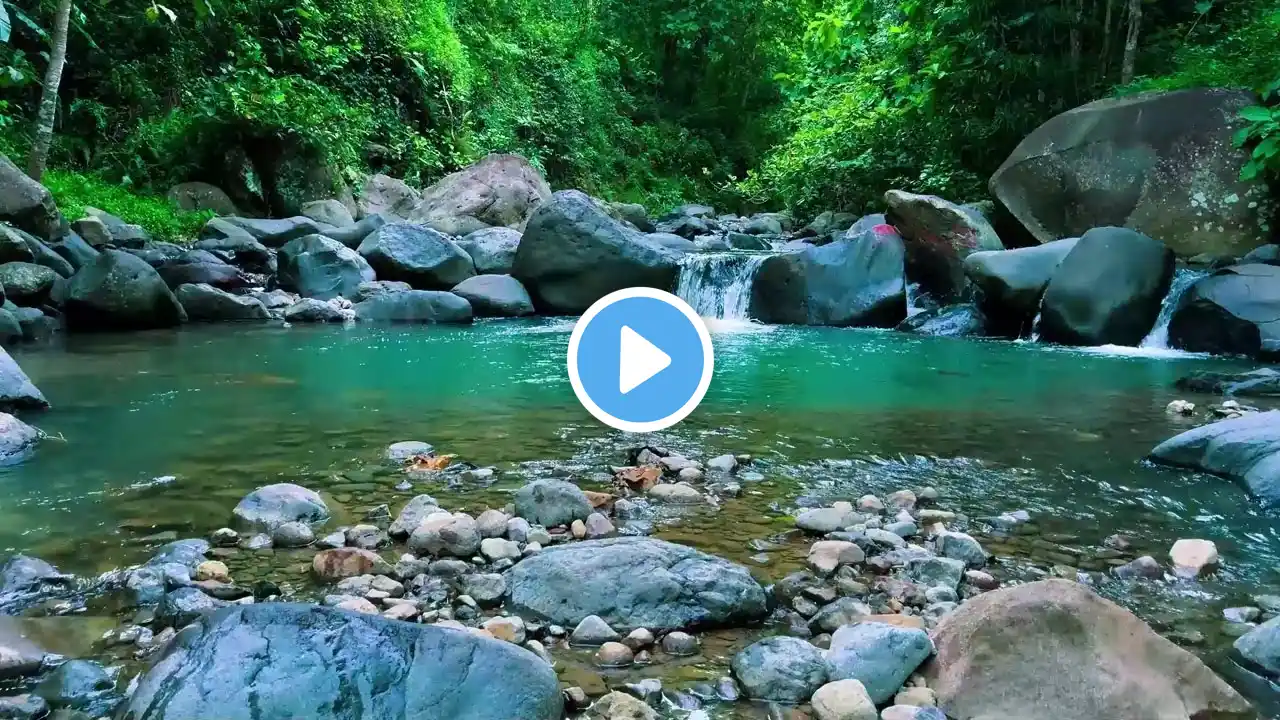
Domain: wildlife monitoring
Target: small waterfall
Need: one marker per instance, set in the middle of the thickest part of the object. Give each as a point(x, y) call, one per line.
point(913, 291)
point(1183, 279)
point(1035, 326)
point(718, 285)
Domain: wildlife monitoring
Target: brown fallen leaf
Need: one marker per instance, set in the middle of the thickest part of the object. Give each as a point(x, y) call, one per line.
point(420, 463)
point(640, 478)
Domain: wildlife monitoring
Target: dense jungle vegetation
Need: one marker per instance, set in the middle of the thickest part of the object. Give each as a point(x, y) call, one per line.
point(807, 104)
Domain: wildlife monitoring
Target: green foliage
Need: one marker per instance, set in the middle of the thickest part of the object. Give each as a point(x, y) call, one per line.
point(1261, 135)
point(75, 191)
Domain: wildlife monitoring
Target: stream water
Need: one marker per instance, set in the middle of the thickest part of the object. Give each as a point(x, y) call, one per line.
point(161, 434)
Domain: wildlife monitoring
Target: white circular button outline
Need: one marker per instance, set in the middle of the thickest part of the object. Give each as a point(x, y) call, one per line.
point(708, 360)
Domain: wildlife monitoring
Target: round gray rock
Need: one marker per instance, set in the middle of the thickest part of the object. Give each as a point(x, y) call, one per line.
point(552, 502)
point(881, 656)
point(783, 669)
point(273, 505)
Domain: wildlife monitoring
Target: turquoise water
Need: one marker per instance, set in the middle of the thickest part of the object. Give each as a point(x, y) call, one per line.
point(158, 435)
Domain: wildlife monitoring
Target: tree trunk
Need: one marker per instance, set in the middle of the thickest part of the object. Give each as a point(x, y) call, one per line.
point(1131, 42)
point(1106, 41)
point(49, 96)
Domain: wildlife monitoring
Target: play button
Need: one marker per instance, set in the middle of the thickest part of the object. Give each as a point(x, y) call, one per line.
point(640, 360)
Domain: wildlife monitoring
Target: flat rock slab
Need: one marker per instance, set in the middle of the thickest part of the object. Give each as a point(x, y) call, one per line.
point(282, 660)
point(1246, 449)
point(1263, 382)
point(634, 582)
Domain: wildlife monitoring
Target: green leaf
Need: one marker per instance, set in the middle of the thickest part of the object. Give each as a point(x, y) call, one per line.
point(1256, 113)
point(1204, 6)
point(1268, 148)
point(1250, 170)
point(5, 25)
point(1241, 136)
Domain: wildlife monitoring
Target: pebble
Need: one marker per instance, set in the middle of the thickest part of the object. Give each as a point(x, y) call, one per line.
point(649, 690)
point(1242, 614)
point(750, 476)
point(723, 463)
point(401, 611)
point(614, 654)
point(1143, 567)
point(1180, 407)
point(593, 631)
point(224, 537)
point(679, 493)
point(538, 534)
point(598, 526)
point(578, 529)
point(540, 650)
point(870, 502)
point(510, 629)
point(368, 537)
point(518, 529)
point(843, 700)
point(680, 644)
point(575, 698)
point(292, 535)
point(496, 549)
point(1191, 557)
point(358, 604)
point(827, 555)
point(917, 696)
point(493, 524)
point(690, 474)
point(639, 639)
point(213, 570)
point(334, 539)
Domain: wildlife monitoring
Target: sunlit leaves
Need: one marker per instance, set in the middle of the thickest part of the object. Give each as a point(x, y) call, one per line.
point(5, 25)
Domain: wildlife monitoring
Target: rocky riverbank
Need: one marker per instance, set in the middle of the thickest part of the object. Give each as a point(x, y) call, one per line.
point(563, 599)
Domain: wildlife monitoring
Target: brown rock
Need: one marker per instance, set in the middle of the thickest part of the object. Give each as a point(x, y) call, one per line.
point(347, 562)
point(640, 479)
point(599, 500)
point(902, 621)
point(1014, 652)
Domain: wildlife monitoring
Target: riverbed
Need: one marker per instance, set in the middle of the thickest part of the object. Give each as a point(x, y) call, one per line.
point(156, 436)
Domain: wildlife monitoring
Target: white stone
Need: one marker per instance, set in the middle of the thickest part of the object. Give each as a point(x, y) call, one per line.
point(1191, 557)
point(676, 493)
point(497, 548)
point(843, 700)
point(510, 629)
point(827, 555)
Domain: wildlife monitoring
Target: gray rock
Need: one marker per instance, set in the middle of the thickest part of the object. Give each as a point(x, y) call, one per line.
point(962, 547)
point(81, 685)
point(1143, 567)
point(16, 390)
point(572, 254)
point(822, 520)
point(551, 502)
point(368, 537)
point(782, 669)
point(352, 235)
point(415, 306)
point(495, 296)
point(592, 631)
point(842, 611)
point(492, 524)
point(935, 571)
point(273, 505)
point(1235, 311)
point(443, 534)
point(236, 246)
point(276, 299)
point(26, 204)
point(418, 255)
point(316, 266)
point(671, 241)
point(635, 582)
point(23, 707)
point(858, 281)
point(320, 663)
point(74, 250)
point(311, 310)
point(1261, 647)
point(487, 589)
point(497, 190)
point(277, 233)
point(1245, 449)
point(200, 266)
point(185, 605)
point(329, 212)
point(385, 195)
point(292, 535)
point(878, 655)
point(401, 452)
point(938, 235)
point(679, 644)
point(493, 250)
point(1107, 290)
point(18, 440)
point(205, 303)
point(1011, 282)
point(416, 510)
point(118, 291)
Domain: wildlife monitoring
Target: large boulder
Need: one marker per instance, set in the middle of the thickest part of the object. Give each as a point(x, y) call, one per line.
point(572, 254)
point(120, 292)
point(16, 389)
point(26, 284)
point(418, 255)
point(552, 503)
point(197, 196)
point(17, 440)
point(271, 506)
point(1161, 163)
point(1013, 652)
point(1010, 283)
point(938, 236)
point(415, 306)
point(493, 250)
point(1245, 449)
point(201, 266)
point(857, 281)
point(24, 579)
point(879, 655)
point(283, 660)
point(1235, 311)
point(316, 266)
point(1262, 382)
point(157, 253)
point(1107, 290)
point(633, 582)
point(26, 204)
point(499, 190)
point(276, 233)
point(353, 235)
point(495, 295)
point(205, 303)
point(329, 212)
point(1260, 648)
point(74, 250)
point(633, 213)
point(14, 246)
point(385, 195)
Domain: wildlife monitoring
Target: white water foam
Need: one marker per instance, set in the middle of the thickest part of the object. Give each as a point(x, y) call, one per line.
point(1183, 279)
point(718, 285)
